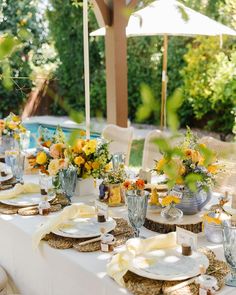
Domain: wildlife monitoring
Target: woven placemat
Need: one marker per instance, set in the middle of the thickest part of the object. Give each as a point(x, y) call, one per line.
point(122, 233)
point(56, 205)
point(142, 286)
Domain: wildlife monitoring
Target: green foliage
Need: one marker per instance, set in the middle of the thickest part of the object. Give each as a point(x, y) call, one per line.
point(17, 18)
point(209, 83)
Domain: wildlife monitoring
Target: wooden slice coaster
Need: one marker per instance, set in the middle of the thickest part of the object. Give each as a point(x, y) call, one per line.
point(60, 199)
point(155, 222)
point(28, 211)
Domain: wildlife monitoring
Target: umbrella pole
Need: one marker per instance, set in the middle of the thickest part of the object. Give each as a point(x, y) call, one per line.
point(86, 67)
point(164, 84)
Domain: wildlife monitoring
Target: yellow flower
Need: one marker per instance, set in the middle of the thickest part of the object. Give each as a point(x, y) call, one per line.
point(90, 147)
point(108, 167)
point(79, 161)
point(54, 167)
point(88, 166)
point(212, 169)
point(82, 133)
point(41, 158)
point(210, 219)
point(179, 180)
point(2, 124)
point(170, 199)
point(78, 146)
point(16, 118)
point(95, 165)
point(160, 164)
point(12, 125)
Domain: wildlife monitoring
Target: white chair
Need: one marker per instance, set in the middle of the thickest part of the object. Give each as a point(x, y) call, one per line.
point(151, 152)
point(121, 139)
point(226, 155)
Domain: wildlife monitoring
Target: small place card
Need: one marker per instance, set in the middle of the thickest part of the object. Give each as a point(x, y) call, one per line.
point(101, 208)
point(145, 175)
point(184, 236)
point(177, 194)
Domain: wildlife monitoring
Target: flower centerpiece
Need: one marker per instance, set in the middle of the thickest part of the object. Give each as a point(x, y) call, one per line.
point(111, 190)
point(190, 170)
point(10, 129)
point(137, 185)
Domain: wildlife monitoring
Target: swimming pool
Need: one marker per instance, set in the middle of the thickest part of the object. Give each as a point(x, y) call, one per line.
point(34, 131)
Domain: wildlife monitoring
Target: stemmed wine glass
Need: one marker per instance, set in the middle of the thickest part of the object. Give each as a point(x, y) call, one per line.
point(137, 202)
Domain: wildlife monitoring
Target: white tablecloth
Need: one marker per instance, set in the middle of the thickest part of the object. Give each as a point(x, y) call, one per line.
point(47, 271)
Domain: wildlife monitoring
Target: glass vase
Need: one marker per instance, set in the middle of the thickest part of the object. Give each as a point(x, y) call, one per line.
point(171, 213)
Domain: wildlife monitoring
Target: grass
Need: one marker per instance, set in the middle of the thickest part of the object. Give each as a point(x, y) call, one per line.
point(136, 154)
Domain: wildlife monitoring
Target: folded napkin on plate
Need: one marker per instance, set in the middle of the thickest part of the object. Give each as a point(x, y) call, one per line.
point(69, 213)
point(120, 262)
point(19, 189)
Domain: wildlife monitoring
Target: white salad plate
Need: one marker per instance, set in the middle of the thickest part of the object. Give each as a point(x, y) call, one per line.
point(24, 200)
point(168, 264)
point(85, 228)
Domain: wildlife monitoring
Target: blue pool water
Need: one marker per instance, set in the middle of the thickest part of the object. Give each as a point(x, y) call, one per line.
point(34, 131)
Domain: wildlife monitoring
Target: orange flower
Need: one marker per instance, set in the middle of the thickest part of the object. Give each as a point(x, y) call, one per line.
point(95, 165)
point(82, 133)
point(140, 183)
point(47, 143)
point(2, 124)
point(127, 184)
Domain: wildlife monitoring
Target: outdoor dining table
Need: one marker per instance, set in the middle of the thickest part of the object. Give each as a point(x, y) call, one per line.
point(49, 271)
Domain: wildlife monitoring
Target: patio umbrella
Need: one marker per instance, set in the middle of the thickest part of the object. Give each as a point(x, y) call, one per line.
point(169, 17)
point(86, 68)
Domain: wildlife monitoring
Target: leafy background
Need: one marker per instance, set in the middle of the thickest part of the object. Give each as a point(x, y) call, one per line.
point(202, 72)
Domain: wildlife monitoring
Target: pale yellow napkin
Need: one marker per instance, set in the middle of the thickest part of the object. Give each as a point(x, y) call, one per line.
point(120, 262)
point(19, 189)
point(69, 213)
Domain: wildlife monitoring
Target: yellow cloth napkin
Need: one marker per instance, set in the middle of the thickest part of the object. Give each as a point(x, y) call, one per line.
point(19, 189)
point(120, 262)
point(69, 213)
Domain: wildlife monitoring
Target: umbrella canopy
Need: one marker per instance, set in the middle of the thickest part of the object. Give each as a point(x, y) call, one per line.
point(170, 17)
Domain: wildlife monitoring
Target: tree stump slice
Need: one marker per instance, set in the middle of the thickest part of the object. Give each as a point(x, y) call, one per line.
point(155, 222)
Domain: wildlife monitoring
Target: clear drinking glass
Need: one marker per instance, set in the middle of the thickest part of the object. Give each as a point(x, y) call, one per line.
point(67, 178)
point(118, 160)
point(229, 243)
point(16, 161)
point(25, 140)
point(137, 202)
point(46, 184)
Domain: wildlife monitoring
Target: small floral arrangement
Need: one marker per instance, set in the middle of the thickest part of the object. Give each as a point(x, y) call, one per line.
point(47, 139)
point(114, 176)
point(191, 164)
point(12, 126)
point(91, 157)
point(138, 184)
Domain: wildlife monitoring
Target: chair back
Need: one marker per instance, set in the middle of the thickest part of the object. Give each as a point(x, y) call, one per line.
point(121, 140)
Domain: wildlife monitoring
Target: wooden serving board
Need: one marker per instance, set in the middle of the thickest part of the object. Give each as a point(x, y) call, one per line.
point(155, 222)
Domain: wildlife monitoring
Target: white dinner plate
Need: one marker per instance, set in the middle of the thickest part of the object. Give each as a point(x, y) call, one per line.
point(24, 200)
point(168, 264)
point(85, 228)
